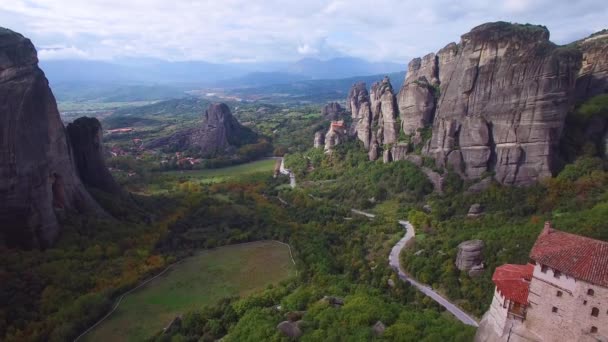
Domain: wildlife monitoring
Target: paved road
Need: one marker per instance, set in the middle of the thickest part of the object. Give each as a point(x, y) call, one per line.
point(395, 263)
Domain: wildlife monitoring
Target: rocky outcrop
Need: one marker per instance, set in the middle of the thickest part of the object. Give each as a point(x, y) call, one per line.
point(384, 112)
point(505, 91)
point(358, 102)
point(475, 210)
point(378, 328)
point(496, 102)
point(470, 254)
point(290, 329)
point(416, 99)
point(219, 133)
point(592, 77)
point(332, 111)
point(335, 136)
point(85, 136)
point(374, 118)
point(319, 139)
point(38, 178)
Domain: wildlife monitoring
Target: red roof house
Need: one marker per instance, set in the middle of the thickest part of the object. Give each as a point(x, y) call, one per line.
point(573, 255)
point(513, 281)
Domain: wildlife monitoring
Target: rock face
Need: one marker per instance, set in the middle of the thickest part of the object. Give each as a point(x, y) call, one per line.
point(416, 98)
point(475, 210)
point(319, 140)
point(218, 133)
point(332, 111)
point(38, 178)
point(85, 136)
point(592, 77)
point(470, 254)
point(384, 112)
point(505, 91)
point(335, 135)
point(496, 102)
point(290, 329)
point(358, 103)
point(374, 118)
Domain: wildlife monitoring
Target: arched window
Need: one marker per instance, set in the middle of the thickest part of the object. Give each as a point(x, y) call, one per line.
point(593, 330)
point(590, 292)
point(595, 312)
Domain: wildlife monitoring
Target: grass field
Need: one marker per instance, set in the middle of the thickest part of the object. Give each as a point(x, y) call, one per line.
point(197, 281)
point(227, 173)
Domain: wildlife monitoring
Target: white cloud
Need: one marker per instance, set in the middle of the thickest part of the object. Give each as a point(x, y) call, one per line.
point(267, 30)
point(70, 52)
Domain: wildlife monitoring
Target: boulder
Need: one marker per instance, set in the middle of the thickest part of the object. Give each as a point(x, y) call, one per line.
point(333, 301)
point(475, 210)
point(38, 177)
point(289, 329)
point(85, 136)
point(378, 328)
point(470, 254)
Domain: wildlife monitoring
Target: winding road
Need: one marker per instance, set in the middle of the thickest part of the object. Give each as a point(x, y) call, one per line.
point(395, 263)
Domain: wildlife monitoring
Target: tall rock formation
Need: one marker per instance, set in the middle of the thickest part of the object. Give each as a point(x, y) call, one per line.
point(38, 177)
point(593, 76)
point(358, 102)
point(85, 137)
point(375, 117)
point(218, 133)
point(416, 98)
point(332, 111)
point(384, 112)
point(505, 91)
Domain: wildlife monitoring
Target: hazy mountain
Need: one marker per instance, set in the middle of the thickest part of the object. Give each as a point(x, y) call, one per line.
point(153, 71)
point(342, 67)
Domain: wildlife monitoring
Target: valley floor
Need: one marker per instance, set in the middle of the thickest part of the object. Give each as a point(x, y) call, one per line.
point(196, 281)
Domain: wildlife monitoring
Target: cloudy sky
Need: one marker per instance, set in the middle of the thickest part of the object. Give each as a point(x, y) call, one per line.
point(278, 30)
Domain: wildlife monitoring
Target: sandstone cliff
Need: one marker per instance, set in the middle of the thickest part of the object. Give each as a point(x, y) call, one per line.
point(38, 177)
point(374, 118)
point(496, 102)
point(218, 133)
point(332, 111)
point(505, 92)
point(85, 137)
point(593, 76)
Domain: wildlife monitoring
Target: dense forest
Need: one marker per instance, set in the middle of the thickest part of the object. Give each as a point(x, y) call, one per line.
point(55, 294)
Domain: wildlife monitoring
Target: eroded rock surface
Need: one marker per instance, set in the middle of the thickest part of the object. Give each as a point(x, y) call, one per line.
point(38, 178)
point(218, 133)
point(85, 136)
point(470, 254)
point(332, 111)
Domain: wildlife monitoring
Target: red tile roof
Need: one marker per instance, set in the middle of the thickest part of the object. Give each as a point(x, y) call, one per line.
point(513, 281)
point(574, 255)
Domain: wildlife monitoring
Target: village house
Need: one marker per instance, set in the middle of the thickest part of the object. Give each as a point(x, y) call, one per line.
point(560, 295)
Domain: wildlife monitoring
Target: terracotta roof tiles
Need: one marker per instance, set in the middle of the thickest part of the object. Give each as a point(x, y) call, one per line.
point(574, 255)
point(513, 281)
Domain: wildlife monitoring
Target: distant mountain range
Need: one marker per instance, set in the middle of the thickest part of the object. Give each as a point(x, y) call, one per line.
point(199, 73)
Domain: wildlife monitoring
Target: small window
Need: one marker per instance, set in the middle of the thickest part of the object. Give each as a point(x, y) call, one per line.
point(554, 309)
point(543, 268)
point(595, 312)
point(593, 330)
point(584, 302)
point(559, 293)
point(590, 292)
point(557, 274)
